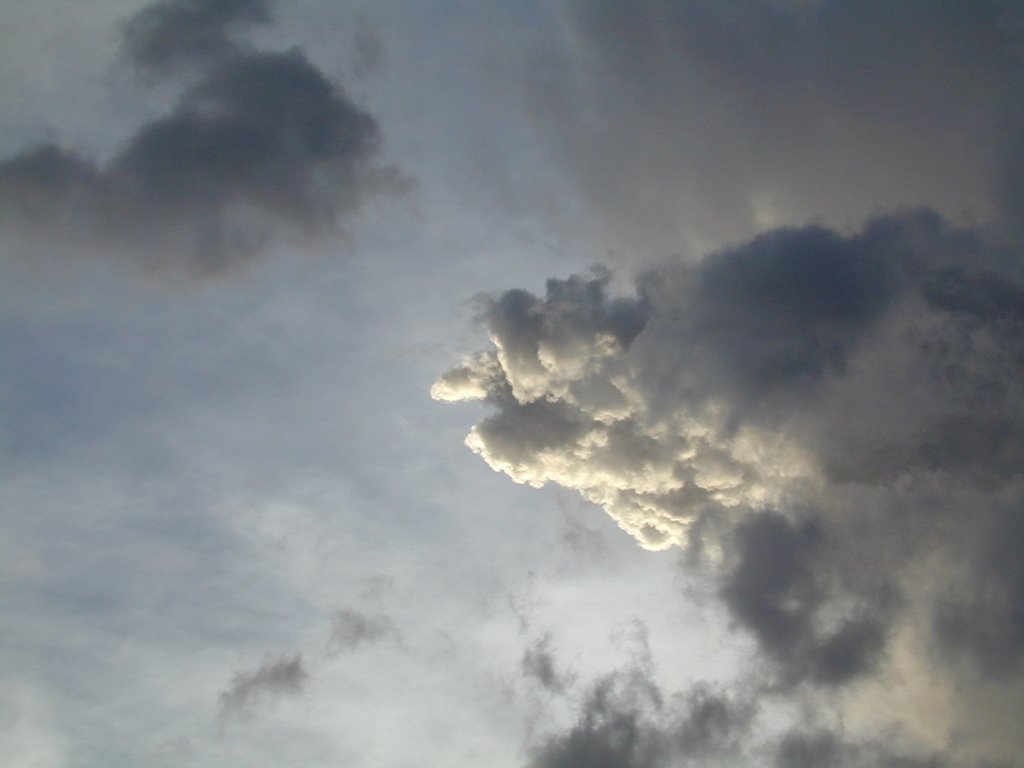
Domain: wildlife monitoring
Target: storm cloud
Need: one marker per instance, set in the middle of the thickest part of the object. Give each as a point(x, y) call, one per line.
point(260, 147)
point(825, 423)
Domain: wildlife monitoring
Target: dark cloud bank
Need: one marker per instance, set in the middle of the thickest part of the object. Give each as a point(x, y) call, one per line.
point(260, 146)
point(826, 420)
point(829, 426)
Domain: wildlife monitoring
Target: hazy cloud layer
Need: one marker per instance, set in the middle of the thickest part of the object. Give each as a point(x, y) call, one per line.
point(261, 146)
point(827, 424)
point(275, 679)
point(695, 123)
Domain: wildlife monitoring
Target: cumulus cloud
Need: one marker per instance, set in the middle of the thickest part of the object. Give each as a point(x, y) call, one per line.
point(624, 721)
point(800, 357)
point(819, 402)
point(261, 146)
point(827, 424)
point(277, 678)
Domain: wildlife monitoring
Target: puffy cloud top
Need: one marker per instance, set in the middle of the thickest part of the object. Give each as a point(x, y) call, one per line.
point(829, 425)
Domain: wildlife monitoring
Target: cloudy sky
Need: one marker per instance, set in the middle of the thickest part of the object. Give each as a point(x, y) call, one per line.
point(560, 384)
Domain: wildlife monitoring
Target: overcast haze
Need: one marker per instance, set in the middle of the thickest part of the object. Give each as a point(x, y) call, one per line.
point(545, 385)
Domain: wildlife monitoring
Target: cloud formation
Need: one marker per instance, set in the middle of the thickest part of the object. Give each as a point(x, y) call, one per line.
point(277, 678)
point(828, 425)
point(728, 383)
point(625, 721)
point(261, 146)
point(351, 629)
point(692, 124)
point(538, 664)
point(173, 33)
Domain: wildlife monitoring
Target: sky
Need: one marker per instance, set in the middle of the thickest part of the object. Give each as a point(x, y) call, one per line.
point(553, 384)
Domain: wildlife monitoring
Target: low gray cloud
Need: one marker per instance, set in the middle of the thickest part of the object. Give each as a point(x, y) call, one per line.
point(625, 723)
point(826, 423)
point(261, 147)
point(174, 33)
point(826, 749)
point(277, 678)
point(351, 628)
point(777, 590)
point(538, 664)
point(625, 719)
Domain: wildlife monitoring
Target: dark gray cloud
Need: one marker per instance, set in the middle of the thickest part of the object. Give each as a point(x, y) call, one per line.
point(277, 678)
point(172, 33)
point(539, 664)
point(351, 629)
point(624, 723)
point(776, 591)
point(624, 719)
point(651, 406)
point(261, 147)
point(825, 749)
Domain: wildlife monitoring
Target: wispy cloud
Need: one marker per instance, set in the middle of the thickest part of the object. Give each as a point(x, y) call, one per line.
point(277, 678)
point(352, 628)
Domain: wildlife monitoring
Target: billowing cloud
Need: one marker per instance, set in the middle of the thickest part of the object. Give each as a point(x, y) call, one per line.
point(763, 369)
point(827, 424)
point(262, 146)
point(285, 676)
point(777, 590)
